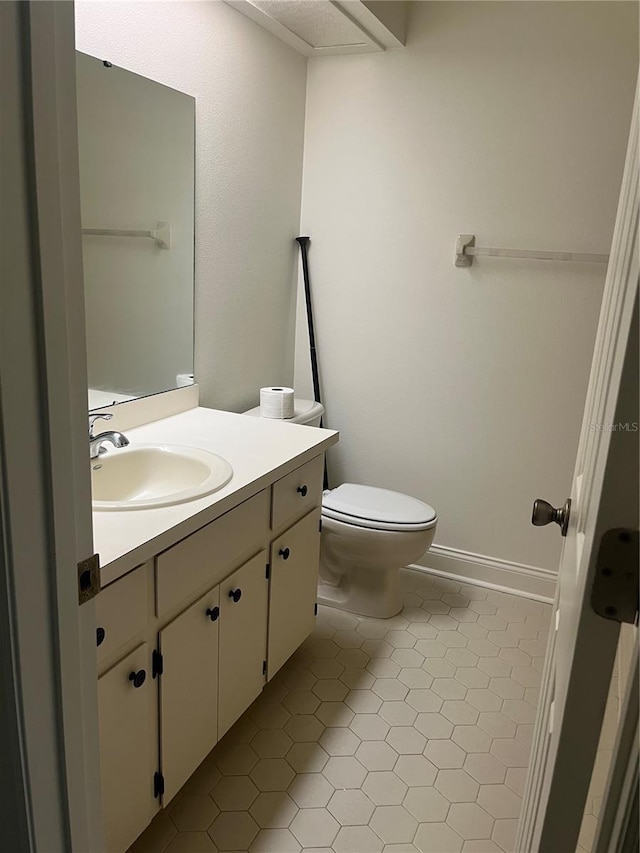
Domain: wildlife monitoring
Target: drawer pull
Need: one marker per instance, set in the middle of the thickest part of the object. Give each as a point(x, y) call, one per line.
point(284, 553)
point(235, 594)
point(138, 677)
point(303, 491)
point(100, 635)
point(213, 613)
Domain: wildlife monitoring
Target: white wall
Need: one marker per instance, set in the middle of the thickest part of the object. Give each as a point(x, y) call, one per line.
point(508, 120)
point(250, 95)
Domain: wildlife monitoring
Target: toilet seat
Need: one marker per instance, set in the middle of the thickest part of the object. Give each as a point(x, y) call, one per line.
point(377, 509)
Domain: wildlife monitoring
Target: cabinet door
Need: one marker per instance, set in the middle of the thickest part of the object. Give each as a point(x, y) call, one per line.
point(188, 691)
point(128, 720)
point(243, 639)
point(293, 588)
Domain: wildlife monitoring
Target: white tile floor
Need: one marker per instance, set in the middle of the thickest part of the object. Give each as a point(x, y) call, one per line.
point(401, 735)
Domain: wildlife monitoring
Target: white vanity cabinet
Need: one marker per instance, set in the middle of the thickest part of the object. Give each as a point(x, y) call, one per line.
point(209, 620)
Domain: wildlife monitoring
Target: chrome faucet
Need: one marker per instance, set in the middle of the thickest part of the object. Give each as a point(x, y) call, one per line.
point(96, 442)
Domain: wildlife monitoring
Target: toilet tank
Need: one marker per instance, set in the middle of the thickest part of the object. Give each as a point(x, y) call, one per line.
point(306, 412)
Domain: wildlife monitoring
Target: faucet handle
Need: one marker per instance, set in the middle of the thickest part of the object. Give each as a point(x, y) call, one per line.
point(104, 416)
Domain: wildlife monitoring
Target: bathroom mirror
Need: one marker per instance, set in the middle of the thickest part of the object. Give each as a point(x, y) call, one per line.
point(136, 142)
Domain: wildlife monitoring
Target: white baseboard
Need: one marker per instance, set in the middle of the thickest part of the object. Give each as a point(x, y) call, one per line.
point(490, 572)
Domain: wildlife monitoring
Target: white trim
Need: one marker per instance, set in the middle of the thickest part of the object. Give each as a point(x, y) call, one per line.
point(44, 477)
point(16, 826)
point(473, 581)
point(543, 728)
point(491, 572)
point(618, 820)
point(45, 487)
point(389, 33)
point(368, 44)
point(63, 376)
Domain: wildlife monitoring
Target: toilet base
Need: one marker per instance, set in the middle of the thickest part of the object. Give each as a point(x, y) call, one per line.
point(360, 566)
point(381, 600)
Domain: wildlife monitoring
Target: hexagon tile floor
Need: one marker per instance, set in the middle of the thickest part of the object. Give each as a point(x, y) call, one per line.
point(401, 735)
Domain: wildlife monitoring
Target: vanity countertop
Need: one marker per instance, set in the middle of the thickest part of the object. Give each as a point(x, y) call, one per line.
point(260, 452)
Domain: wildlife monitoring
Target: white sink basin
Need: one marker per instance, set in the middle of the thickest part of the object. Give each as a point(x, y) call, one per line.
point(152, 475)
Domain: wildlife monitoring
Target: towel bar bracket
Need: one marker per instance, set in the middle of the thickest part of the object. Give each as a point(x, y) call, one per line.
point(463, 242)
point(161, 234)
point(466, 251)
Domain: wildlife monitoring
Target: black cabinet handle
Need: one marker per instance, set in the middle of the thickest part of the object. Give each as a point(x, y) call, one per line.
point(284, 553)
point(213, 613)
point(235, 594)
point(138, 677)
point(100, 635)
point(303, 491)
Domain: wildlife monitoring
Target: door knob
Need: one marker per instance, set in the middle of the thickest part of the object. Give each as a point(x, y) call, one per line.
point(303, 491)
point(543, 513)
point(213, 613)
point(235, 594)
point(284, 553)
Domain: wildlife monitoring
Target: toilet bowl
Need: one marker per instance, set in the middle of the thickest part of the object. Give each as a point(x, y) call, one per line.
point(368, 535)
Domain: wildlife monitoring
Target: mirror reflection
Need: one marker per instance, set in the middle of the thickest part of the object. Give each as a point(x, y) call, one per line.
point(136, 141)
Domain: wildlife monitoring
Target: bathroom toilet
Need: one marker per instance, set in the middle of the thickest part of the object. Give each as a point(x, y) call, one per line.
point(368, 535)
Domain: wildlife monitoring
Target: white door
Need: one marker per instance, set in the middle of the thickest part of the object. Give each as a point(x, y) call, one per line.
point(188, 691)
point(243, 640)
point(128, 700)
point(582, 648)
point(293, 588)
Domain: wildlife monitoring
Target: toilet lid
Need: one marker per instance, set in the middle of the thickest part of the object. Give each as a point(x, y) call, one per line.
point(370, 506)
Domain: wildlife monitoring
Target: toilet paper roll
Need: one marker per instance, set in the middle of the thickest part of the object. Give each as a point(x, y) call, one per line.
point(277, 403)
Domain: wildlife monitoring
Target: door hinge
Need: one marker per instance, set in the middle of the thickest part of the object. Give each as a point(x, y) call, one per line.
point(264, 667)
point(157, 664)
point(158, 784)
point(614, 594)
point(320, 526)
point(88, 578)
point(267, 572)
point(315, 609)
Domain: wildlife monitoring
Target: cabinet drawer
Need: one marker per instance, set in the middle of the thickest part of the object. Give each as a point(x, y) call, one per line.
point(121, 614)
point(202, 559)
point(297, 493)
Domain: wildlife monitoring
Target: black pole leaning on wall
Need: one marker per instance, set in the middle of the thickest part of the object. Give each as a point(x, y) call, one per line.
point(304, 244)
